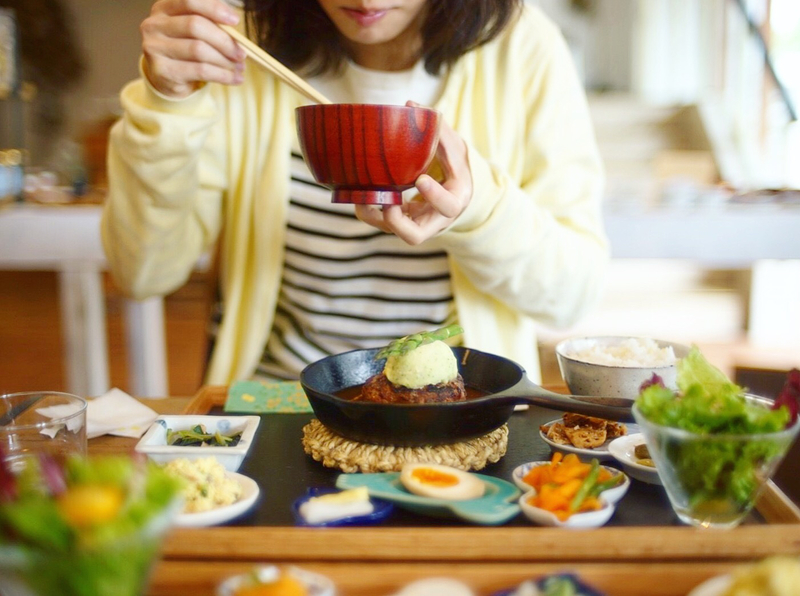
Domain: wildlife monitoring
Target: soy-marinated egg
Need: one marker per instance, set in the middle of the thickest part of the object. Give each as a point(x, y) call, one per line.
point(441, 482)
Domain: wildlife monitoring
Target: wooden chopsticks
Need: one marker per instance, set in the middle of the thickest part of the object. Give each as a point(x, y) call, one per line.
point(263, 59)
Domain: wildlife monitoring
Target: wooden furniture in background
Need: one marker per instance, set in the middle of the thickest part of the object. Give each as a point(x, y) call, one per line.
point(66, 239)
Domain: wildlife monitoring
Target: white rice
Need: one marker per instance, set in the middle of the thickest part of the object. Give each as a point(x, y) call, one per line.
point(631, 352)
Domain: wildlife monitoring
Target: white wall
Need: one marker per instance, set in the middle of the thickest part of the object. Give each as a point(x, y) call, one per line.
point(108, 31)
point(600, 39)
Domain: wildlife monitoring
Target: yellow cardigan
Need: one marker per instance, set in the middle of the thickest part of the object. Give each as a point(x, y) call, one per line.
point(529, 248)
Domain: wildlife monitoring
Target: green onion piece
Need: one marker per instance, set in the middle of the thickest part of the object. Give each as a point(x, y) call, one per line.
point(586, 487)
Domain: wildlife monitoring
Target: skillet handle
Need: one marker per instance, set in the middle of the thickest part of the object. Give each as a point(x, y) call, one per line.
point(528, 392)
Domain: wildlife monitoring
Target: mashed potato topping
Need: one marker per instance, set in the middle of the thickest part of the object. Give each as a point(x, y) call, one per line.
point(429, 364)
point(205, 485)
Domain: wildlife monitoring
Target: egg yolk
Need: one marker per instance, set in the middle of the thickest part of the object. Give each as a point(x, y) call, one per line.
point(434, 477)
point(283, 586)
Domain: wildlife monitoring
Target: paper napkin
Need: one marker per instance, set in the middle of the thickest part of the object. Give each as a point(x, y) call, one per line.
point(113, 413)
point(117, 413)
point(256, 397)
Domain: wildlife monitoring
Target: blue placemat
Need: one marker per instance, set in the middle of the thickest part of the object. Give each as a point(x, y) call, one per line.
point(256, 397)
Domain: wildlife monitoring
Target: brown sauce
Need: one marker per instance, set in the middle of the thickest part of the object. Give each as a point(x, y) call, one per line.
point(354, 393)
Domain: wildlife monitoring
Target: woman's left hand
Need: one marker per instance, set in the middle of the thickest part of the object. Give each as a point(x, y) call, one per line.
point(419, 220)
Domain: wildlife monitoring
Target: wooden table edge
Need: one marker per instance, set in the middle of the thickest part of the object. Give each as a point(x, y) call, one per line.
point(621, 578)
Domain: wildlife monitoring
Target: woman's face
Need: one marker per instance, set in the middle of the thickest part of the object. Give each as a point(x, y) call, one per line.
point(382, 34)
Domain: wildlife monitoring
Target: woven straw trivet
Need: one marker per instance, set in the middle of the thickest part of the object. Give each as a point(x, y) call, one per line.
point(335, 451)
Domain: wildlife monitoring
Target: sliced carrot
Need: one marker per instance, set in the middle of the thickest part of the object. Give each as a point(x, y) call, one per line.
point(558, 482)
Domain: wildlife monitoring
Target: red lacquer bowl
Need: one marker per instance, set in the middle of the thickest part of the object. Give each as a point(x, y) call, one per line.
point(367, 154)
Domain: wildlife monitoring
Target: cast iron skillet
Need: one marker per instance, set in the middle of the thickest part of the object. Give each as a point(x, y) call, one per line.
point(434, 424)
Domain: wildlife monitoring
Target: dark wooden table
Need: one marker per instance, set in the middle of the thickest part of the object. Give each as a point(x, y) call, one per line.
point(643, 550)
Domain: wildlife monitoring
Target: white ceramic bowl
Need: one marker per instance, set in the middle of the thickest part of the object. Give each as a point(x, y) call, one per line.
point(611, 380)
point(154, 442)
point(622, 449)
point(315, 584)
point(589, 519)
point(612, 495)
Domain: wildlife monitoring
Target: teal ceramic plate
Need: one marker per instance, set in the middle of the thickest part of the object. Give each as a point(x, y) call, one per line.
point(496, 506)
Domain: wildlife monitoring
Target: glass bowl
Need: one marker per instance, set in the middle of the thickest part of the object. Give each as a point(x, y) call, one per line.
point(713, 480)
point(116, 567)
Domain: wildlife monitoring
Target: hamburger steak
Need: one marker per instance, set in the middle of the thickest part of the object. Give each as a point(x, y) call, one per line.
point(379, 389)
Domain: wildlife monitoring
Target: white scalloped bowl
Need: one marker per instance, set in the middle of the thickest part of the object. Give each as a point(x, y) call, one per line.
point(612, 495)
point(589, 519)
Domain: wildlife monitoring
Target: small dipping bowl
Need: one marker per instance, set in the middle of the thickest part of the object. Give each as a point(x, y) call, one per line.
point(367, 154)
point(587, 519)
point(41, 422)
point(314, 584)
point(584, 375)
point(612, 495)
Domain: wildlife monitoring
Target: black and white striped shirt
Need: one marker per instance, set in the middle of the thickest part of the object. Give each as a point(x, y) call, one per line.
point(345, 284)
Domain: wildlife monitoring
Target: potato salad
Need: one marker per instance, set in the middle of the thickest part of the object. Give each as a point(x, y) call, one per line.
point(205, 484)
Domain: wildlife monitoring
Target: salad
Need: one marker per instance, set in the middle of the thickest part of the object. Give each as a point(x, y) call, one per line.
point(89, 526)
point(708, 402)
point(732, 442)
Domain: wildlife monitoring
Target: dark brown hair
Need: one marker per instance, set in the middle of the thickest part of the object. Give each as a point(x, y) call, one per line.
point(301, 36)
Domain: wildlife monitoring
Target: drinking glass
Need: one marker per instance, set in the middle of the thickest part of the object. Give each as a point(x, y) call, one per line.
point(41, 422)
point(713, 480)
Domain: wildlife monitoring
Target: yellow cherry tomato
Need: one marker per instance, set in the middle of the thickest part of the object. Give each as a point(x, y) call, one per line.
point(90, 504)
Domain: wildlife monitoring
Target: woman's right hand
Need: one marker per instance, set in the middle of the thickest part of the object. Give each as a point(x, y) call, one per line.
point(184, 47)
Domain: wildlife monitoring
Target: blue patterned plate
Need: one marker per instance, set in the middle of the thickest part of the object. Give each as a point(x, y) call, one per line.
point(542, 584)
point(496, 506)
point(381, 510)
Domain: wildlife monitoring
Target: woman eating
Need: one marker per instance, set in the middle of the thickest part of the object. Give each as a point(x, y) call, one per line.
point(502, 234)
